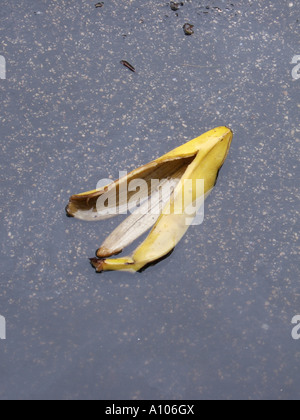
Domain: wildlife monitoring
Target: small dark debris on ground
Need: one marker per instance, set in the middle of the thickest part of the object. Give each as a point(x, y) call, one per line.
point(128, 65)
point(176, 6)
point(188, 29)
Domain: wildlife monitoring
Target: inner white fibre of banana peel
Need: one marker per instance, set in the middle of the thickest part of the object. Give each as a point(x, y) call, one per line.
point(184, 177)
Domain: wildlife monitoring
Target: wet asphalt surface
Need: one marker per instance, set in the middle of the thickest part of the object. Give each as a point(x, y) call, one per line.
point(212, 321)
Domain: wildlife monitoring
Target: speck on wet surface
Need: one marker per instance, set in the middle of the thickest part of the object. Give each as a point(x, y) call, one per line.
point(214, 319)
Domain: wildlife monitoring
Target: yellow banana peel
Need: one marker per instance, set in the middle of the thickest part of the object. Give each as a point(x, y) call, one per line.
point(165, 206)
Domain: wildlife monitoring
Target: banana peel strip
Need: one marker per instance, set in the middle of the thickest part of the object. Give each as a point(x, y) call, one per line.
point(199, 159)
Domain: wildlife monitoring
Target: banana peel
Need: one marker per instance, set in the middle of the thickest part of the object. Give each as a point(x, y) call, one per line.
point(167, 215)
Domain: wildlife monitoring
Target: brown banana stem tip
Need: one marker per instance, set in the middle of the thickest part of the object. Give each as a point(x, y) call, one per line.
point(105, 253)
point(68, 212)
point(97, 264)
